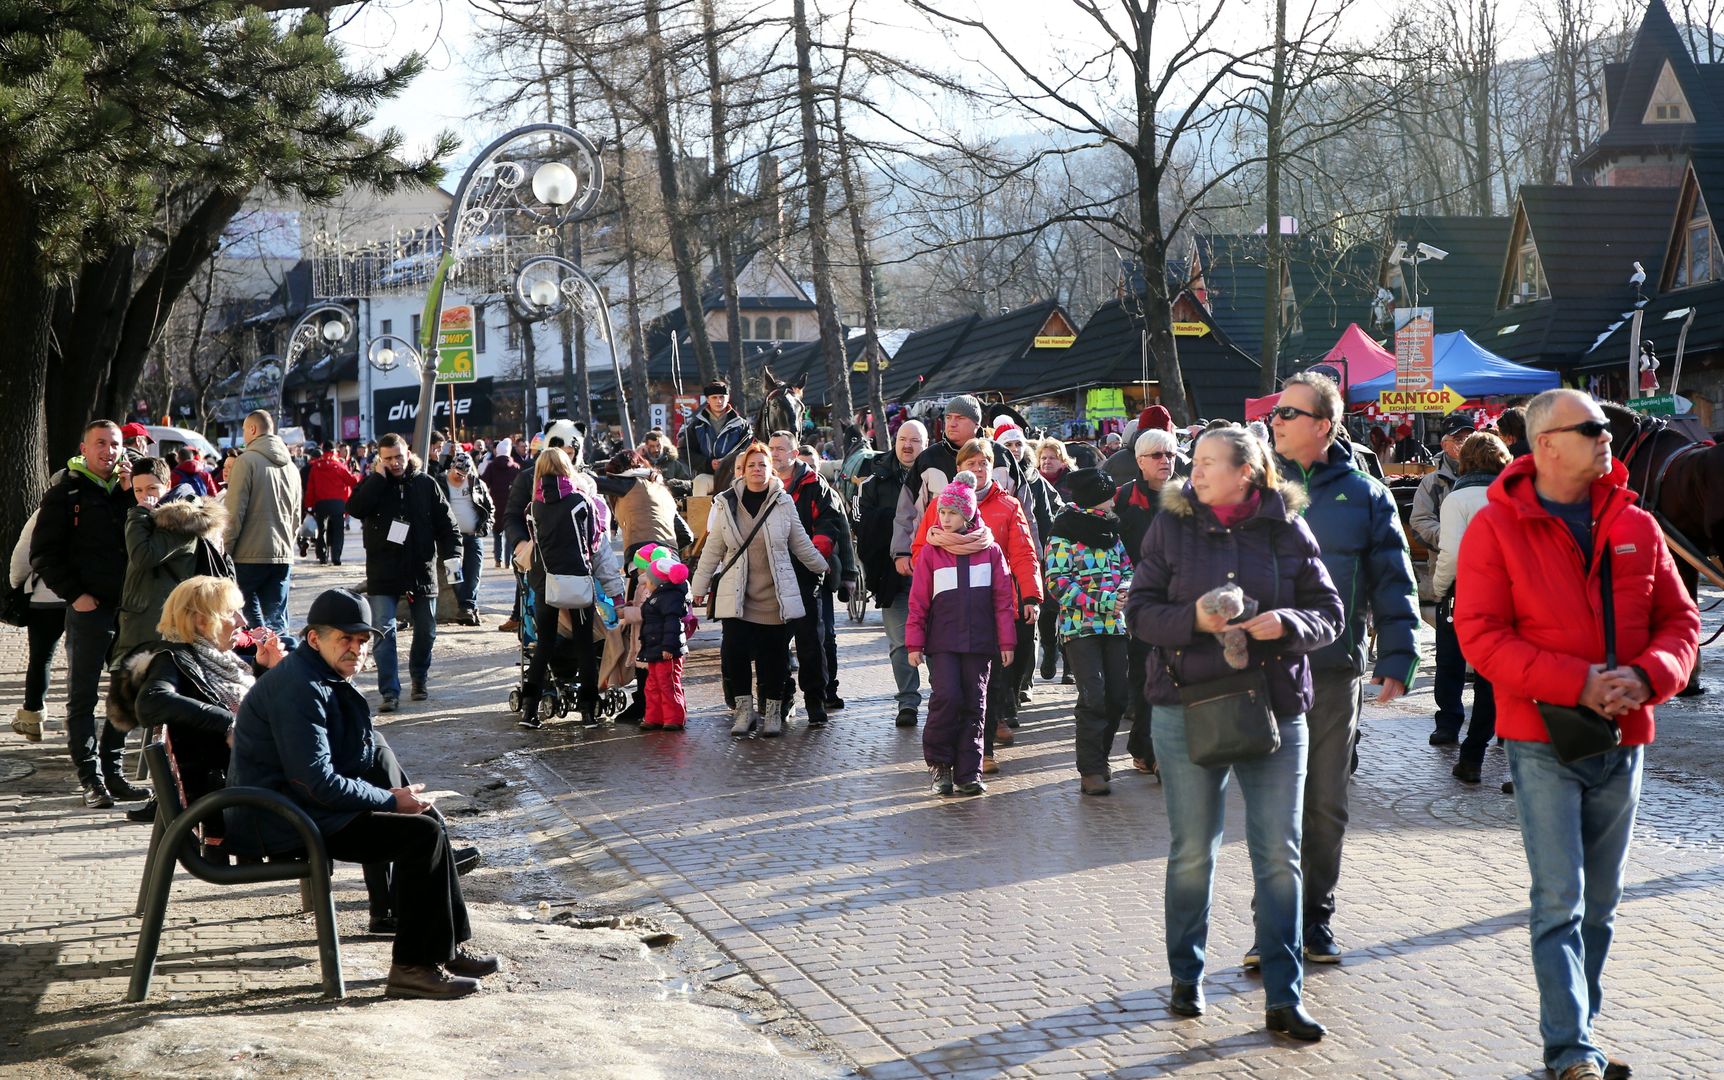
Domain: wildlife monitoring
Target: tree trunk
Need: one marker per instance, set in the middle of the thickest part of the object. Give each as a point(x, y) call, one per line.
point(23, 391)
point(726, 224)
point(632, 305)
point(682, 252)
point(831, 334)
point(865, 272)
point(1272, 247)
point(1151, 241)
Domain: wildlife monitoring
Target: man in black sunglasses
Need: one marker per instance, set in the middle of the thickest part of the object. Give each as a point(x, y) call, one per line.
point(1567, 596)
point(1359, 532)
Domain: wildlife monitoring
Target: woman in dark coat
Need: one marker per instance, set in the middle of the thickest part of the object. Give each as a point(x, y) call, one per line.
point(1233, 524)
point(192, 686)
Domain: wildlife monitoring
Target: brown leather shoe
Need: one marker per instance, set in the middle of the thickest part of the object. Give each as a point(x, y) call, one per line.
point(427, 981)
point(989, 768)
point(470, 964)
point(1004, 736)
point(509, 626)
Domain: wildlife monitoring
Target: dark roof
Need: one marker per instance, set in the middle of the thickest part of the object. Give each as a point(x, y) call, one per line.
point(661, 368)
point(924, 353)
point(998, 353)
point(1662, 323)
point(1463, 285)
point(1630, 87)
point(1109, 350)
point(1589, 238)
point(1333, 285)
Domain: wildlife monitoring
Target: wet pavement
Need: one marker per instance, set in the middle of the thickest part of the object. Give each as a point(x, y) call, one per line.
point(1019, 934)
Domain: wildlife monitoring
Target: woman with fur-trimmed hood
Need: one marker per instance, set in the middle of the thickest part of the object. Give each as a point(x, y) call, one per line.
point(165, 545)
point(1233, 524)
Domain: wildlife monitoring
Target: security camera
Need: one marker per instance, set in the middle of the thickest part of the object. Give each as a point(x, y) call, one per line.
point(1400, 252)
point(1431, 252)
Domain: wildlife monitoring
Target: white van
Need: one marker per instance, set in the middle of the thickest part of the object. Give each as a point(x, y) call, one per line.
point(165, 440)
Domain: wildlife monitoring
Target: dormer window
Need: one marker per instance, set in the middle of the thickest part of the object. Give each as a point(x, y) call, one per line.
point(1528, 283)
point(1699, 260)
point(1667, 105)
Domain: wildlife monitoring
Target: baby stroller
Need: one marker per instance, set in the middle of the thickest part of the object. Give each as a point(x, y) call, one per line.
point(563, 667)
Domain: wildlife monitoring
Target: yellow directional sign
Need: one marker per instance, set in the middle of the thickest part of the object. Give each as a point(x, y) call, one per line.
point(1444, 401)
point(1190, 329)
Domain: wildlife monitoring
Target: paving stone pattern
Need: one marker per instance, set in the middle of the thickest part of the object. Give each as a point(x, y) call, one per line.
point(1019, 934)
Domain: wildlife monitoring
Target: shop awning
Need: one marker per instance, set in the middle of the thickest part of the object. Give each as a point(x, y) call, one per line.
point(1468, 368)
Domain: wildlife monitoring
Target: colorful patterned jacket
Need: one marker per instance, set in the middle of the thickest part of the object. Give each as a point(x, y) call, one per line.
point(1088, 573)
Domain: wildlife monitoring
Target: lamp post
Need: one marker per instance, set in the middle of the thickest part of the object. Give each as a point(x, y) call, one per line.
point(326, 327)
point(548, 284)
point(519, 178)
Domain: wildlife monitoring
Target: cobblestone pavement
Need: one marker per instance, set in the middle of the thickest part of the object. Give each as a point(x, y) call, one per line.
point(1019, 934)
point(236, 987)
point(1014, 935)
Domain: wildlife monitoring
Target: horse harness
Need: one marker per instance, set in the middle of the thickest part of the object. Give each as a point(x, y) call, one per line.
point(1648, 432)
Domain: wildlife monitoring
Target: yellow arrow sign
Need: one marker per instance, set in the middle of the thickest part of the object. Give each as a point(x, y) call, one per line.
point(1444, 401)
point(1190, 329)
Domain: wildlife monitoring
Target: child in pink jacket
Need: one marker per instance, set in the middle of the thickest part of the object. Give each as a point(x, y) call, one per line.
point(961, 616)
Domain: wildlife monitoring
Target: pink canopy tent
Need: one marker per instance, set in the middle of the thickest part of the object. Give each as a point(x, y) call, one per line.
point(1355, 358)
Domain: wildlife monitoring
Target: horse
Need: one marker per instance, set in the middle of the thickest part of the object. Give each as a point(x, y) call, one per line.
point(1680, 482)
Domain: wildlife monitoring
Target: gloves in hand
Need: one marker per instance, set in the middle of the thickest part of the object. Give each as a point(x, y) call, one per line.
point(846, 588)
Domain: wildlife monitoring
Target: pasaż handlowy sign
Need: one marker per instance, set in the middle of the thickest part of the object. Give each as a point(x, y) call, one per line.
point(1055, 341)
point(1190, 329)
point(1444, 401)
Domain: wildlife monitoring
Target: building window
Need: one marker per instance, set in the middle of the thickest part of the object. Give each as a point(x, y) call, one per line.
point(512, 333)
point(1699, 261)
point(784, 331)
point(763, 328)
point(388, 326)
point(479, 329)
point(1667, 105)
point(416, 331)
point(1528, 284)
point(747, 328)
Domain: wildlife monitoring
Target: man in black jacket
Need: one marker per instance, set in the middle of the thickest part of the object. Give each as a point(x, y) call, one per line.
point(879, 502)
point(817, 505)
point(79, 550)
point(408, 527)
point(935, 467)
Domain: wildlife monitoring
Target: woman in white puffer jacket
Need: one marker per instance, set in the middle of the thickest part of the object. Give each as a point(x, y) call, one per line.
point(45, 619)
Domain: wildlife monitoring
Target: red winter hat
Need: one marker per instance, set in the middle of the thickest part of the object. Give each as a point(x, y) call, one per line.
point(134, 431)
point(1008, 432)
point(1157, 417)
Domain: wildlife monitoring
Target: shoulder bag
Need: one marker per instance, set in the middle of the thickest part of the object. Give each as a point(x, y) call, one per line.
point(1227, 720)
point(568, 591)
point(742, 549)
point(1577, 732)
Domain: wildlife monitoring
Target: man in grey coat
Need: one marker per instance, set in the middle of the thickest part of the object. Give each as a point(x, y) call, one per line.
point(263, 511)
point(1450, 674)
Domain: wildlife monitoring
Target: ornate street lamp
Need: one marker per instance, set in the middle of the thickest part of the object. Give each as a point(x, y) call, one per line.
point(324, 327)
point(533, 180)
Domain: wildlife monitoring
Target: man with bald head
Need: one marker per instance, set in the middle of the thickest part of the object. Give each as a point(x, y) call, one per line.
point(878, 502)
point(1567, 596)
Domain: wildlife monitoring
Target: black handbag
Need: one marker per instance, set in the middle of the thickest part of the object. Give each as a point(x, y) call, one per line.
point(1577, 732)
point(1228, 720)
point(15, 606)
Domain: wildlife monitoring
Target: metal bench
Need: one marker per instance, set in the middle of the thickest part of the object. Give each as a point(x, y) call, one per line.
point(172, 841)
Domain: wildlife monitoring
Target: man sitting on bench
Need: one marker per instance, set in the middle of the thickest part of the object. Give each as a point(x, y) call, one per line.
point(304, 730)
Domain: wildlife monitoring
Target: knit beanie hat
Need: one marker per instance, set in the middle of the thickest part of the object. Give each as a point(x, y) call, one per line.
point(661, 563)
point(1089, 488)
point(1157, 417)
point(965, 405)
point(960, 495)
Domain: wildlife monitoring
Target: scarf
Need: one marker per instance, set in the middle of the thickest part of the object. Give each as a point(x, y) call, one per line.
point(1232, 515)
point(226, 674)
point(978, 539)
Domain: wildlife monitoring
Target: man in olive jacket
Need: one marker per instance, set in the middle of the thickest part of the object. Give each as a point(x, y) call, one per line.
point(408, 527)
point(263, 515)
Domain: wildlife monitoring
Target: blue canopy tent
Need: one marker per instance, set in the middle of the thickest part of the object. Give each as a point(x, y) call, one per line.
point(1459, 362)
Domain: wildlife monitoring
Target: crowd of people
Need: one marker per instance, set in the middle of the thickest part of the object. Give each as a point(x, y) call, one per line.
point(1227, 596)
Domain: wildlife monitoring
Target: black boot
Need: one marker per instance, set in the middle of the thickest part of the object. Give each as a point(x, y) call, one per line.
point(1294, 1022)
point(1186, 999)
point(530, 711)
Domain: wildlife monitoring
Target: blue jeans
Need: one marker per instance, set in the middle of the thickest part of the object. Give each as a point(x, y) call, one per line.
point(264, 586)
point(472, 559)
point(1274, 790)
point(1575, 822)
point(906, 677)
point(424, 610)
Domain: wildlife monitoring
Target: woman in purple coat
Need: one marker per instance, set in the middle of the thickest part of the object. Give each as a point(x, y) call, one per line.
point(1233, 524)
point(962, 614)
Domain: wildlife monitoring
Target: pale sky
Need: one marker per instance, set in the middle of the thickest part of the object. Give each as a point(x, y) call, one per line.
point(449, 90)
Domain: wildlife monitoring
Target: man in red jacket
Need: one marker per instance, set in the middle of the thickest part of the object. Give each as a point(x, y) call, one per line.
point(1530, 617)
point(328, 484)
